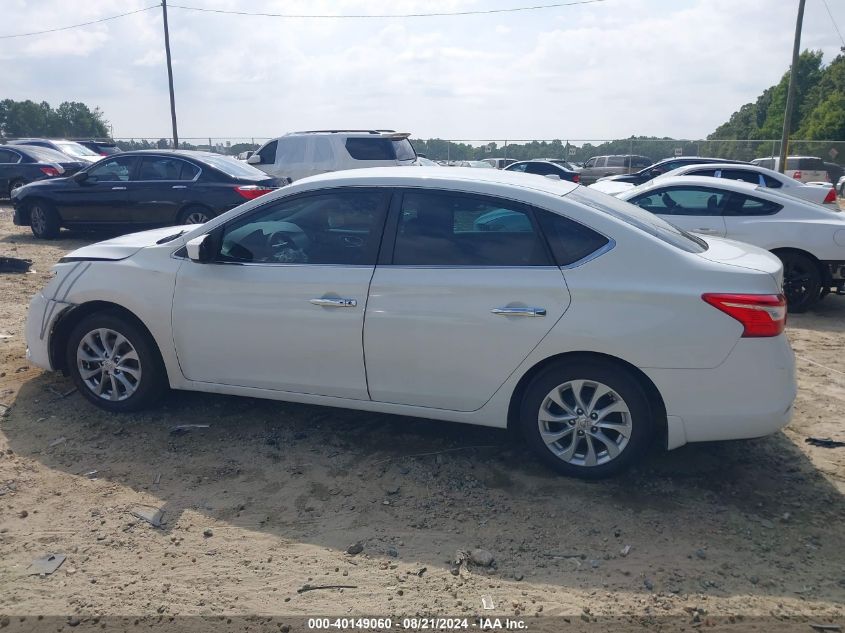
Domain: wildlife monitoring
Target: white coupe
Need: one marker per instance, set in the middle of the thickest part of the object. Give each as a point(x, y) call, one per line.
point(808, 238)
point(475, 296)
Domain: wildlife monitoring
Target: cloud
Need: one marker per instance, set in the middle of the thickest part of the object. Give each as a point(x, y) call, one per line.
point(607, 70)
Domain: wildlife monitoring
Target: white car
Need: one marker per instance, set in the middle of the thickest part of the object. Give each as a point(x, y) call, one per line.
point(301, 154)
point(807, 237)
point(811, 192)
point(475, 296)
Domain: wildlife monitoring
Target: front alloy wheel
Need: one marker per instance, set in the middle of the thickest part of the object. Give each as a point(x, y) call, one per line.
point(108, 364)
point(115, 363)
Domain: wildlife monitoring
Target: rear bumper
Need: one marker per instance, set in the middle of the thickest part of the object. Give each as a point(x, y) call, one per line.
point(749, 395)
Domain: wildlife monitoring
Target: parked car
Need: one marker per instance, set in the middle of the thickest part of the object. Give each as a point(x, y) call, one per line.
point(477, 164)
point(592, 326)
point(544, 168)
point(808, 238)
point(21, 164)
point(103, 147)
point(140, 189)
point(840, 187)
point(245, 155)
point(302, 154)
point(803, 168)
point(563, 163)
point(603, 166)
point(745, 173)
point(664, 166)
point(499, 163)
point(70, 148)
point(834, 172)
point(422, 161)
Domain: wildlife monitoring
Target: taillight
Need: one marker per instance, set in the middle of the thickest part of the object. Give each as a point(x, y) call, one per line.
point(251, 192)
point(760, 315)
point(103, 153)
point(49, 171)
point(576, 178)
point(796, 175)
point(831, 196)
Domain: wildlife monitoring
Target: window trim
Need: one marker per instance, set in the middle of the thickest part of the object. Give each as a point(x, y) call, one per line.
point(218, 231)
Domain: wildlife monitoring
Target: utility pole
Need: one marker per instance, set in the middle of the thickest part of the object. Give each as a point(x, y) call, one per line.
point(170, 75)
point(790, 92)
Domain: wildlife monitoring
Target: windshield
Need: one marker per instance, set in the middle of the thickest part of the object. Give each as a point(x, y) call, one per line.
point(233, 167)
point(74, 149)
point(643, 220)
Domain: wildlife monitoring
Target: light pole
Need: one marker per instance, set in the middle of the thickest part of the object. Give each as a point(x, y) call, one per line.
point(170, 75)
point(790, 91)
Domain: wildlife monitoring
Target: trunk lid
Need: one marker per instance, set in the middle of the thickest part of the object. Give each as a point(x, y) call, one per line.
point(741, 255)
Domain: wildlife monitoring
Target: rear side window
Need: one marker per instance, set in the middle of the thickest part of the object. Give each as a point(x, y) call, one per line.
point(808, 164)
point(771, 183)
point(742, 205)
point(268, 153)
point(371, 148)
point(702, 172)
point(570, 241)
point(615, 161)
point(741, 174)
point(463, 230)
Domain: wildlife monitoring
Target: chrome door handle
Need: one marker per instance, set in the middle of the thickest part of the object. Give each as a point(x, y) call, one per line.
point(179, 187)
point(525, 312)
point(334, 303)
point(118, 188)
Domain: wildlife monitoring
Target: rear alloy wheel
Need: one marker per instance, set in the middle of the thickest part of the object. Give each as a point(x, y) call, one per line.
point(43, 220)
point(591, 420)
point(194, 215)
point(115, 363)
point(802, 281)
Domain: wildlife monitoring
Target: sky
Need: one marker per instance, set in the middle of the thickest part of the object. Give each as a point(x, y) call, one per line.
point(606, 70)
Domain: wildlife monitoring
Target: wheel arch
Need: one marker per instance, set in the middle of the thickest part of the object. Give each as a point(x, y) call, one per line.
point(823, 270)
point(652, 393)
point(72, 316)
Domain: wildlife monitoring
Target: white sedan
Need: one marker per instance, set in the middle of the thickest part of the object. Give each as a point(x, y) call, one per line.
point(822, 193)
point(808, 238)
point(476, 296)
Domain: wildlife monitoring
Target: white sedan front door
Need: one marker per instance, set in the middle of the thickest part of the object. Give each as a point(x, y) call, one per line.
point(282, 305)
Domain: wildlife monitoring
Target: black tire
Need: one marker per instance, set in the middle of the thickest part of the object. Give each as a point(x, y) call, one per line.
point(640, 423)
point(151, 383)
point(14, 185)
point(43, 220)
point(802, 281)
point(188, 215)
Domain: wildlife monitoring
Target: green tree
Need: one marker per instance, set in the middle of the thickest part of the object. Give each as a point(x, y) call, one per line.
point(70, 120)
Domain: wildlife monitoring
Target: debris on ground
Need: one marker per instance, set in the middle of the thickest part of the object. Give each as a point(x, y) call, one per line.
point(824, 442)
point(825, 627)
point(625, 550)
point(481, 557)
point(305, 588)
point(14, 265)
point(355, 548)
point(150, 514)
point(57, 441)
point(46, 565)
point(181, 429)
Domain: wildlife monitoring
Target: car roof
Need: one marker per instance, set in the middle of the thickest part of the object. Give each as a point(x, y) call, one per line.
point(185, 153)
point(702, 181)
point(435, 176)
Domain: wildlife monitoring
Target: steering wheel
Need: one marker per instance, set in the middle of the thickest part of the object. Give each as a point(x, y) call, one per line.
point(282, 248)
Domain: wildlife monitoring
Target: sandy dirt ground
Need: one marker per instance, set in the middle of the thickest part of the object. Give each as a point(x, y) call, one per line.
point(269, 498)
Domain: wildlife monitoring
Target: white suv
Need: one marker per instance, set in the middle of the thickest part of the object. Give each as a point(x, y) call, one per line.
point(803, 168)
point(301, 154)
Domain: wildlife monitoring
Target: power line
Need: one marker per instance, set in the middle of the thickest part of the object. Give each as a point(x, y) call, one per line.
point(835, 26)
point(361, 16)
point(76, 26)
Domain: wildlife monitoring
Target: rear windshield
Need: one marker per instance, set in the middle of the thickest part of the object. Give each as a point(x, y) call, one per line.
point(380, 148)
point(74, 149)
point(234, 167)
point(637, 217)
point(45, 155)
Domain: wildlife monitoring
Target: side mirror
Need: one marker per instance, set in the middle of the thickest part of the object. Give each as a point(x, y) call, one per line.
point(80, 176)
point(200, 249)
point(255, 159)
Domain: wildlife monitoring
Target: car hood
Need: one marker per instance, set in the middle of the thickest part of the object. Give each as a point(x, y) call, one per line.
point(733, 253)
point(123, 246)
